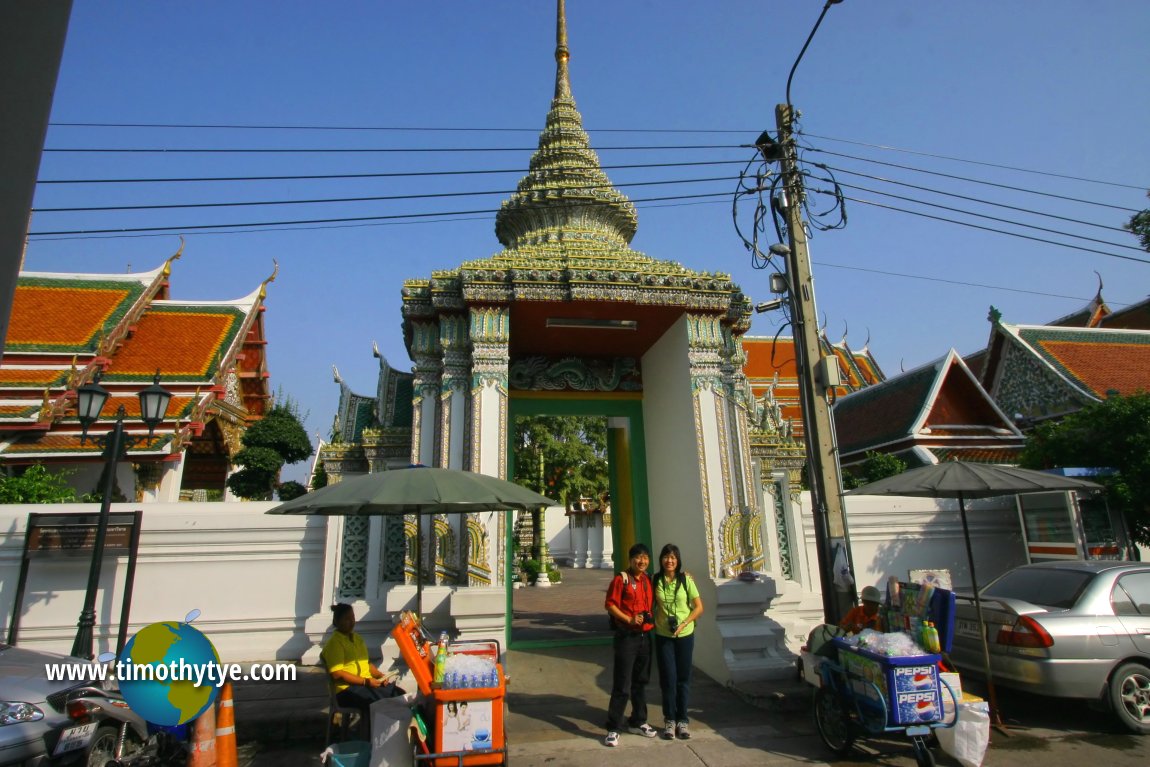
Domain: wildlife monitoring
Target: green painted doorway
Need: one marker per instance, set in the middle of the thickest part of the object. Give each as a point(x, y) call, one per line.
point(630, 510)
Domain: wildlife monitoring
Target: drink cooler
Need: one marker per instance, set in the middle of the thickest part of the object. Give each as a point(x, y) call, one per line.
point(909, 685)
point(416, 654)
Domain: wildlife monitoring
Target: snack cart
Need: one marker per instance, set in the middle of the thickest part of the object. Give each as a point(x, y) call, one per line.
point(464, 713)
point(868, 692)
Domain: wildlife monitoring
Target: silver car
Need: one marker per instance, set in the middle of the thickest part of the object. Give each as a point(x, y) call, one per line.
point(1069, 629)
point(35, 728)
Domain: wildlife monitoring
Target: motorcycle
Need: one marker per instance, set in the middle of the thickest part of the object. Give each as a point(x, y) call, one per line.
point(123, 738)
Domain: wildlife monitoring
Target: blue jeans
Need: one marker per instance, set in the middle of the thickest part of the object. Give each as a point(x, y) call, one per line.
point(674, 658)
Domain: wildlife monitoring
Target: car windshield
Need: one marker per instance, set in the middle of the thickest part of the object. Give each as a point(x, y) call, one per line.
point(1048, 588)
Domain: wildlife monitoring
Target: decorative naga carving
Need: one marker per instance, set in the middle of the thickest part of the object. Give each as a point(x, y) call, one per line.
point(535, 373)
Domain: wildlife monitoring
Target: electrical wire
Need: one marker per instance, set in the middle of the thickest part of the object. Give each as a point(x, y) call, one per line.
point(379, 198)
point(409, 174)
point(975, 180)
point(398, 216)
point(376, 128)
point(430, 220)
point(1015, 168)
point(991, 229)
point(976, 215)
point(361, 150)
point(944, 280)
point(971, 199)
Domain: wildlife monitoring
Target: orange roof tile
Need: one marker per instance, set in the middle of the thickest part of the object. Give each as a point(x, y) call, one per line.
point(49, 444)
point(1103, 367)
point(178, 408)
point(33, 378)
point(78, 311)
point(182, 342)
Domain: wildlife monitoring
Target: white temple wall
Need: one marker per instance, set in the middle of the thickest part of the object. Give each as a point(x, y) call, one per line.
point(675, 482)
point(255, 578)
point(893, 535)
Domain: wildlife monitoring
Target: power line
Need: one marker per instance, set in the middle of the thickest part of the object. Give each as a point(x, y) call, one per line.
point(535, 130)
point(971, 199)
point(377, 198)
point(977, 215)
point(411, 174)
point(986, 228)
point(362, 150)
point(397, 216)
point(978, 162)
point(481, 217)
point(975, 180)
point(380, 128)
point(946, 281)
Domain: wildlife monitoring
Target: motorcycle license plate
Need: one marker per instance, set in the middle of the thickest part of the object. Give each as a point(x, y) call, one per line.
point(75, 738)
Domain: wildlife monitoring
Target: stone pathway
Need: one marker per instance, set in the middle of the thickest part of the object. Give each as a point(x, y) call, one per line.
point(569, 610)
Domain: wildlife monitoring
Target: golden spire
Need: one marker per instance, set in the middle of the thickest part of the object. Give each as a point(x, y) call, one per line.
point(562, 54)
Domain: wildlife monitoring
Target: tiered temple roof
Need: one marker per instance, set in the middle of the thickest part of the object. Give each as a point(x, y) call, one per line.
point(771, 372)
point(566, 232)
point(926, 415)
point(67, 329)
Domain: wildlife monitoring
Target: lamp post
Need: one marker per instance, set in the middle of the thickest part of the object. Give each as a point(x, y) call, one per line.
point(90, 400)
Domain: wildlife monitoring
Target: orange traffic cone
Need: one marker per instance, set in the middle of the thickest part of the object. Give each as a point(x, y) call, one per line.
point(203, 746)
point(226, 755)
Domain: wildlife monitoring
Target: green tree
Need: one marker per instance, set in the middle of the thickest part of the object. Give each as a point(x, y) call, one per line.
point(876, 466)
point(319, 477)
point(1112, 437)
point(37, 485)
point(562, 457)
point(277, 438)
point(290, 490)
point(1139, 225)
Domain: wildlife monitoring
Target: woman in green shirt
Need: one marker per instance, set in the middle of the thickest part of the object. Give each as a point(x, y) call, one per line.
point(677, 606)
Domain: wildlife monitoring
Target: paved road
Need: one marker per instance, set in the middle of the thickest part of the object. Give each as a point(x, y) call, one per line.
point(557, 698)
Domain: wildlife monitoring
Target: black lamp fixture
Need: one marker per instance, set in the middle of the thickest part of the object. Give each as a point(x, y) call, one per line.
point(90, 401)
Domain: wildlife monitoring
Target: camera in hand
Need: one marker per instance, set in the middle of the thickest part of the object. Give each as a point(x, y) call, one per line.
point(672, 623)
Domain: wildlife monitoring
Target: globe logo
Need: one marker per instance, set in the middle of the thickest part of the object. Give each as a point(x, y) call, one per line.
point(165, 695)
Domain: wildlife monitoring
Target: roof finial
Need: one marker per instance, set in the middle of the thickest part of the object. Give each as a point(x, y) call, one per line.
point(562, 79)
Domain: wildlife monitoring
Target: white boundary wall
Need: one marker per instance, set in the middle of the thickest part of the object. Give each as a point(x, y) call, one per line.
point(263, 583)
point(255, 578)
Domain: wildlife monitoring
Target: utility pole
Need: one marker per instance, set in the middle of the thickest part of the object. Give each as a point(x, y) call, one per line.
point(817, 375)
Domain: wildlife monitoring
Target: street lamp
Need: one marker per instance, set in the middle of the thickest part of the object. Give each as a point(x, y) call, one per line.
point(90, 400)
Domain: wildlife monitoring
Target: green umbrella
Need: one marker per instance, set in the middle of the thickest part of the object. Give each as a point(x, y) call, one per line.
point(961, 480)
point(416, 490)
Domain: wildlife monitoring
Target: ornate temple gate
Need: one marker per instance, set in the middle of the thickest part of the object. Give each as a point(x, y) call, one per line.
point(569, 319)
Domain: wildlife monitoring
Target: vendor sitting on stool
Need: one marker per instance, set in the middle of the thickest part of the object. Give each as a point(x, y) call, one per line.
point(358, 682)
point(866, 615)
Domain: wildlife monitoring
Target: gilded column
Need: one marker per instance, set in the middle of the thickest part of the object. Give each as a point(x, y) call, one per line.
point(454, 345)
point(428, 370)
point(704, 344)
point(489, 335)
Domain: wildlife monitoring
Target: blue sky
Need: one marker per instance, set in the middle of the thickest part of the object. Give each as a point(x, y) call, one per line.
point(1055, 87)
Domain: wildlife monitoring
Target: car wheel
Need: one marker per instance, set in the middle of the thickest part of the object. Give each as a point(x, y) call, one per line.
point(102, 749)
point(1130, 697)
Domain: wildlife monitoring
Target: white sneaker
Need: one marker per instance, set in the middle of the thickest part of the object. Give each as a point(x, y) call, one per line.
point(644, 729)
point(684, 731)
point(612, 739)
point(669, 729)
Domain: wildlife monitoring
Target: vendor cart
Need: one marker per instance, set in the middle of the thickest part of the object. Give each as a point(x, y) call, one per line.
point(865, 691)
point(464, 714)
point(868, 694)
